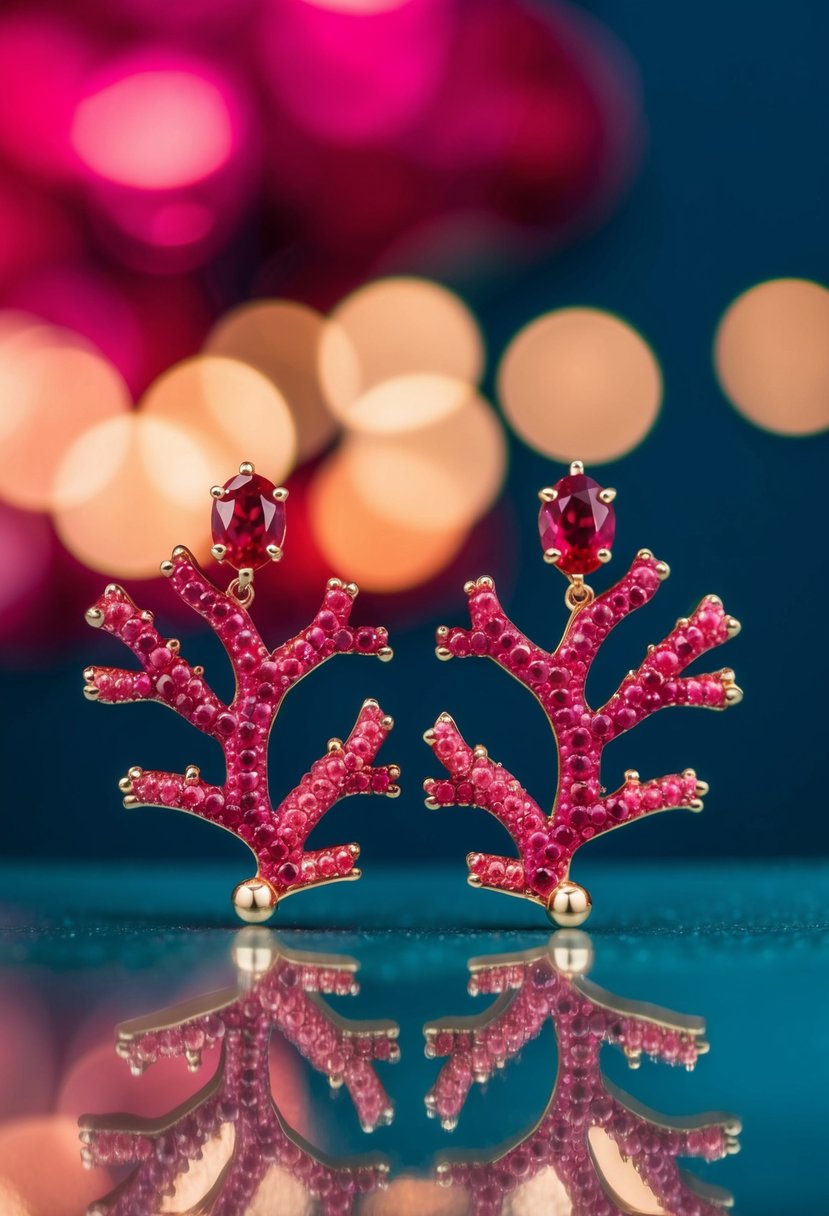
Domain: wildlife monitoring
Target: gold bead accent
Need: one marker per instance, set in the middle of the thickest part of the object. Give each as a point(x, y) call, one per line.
point(254, 900)
point(569, 905)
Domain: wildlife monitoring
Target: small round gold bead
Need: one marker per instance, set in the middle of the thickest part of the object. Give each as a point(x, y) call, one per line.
point(569, 905)
point(254, 900)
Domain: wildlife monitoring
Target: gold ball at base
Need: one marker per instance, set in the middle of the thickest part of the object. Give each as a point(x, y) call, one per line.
point(254, 900)
point(569, 905)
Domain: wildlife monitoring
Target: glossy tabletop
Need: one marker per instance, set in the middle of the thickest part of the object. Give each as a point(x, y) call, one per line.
point(294, 1069)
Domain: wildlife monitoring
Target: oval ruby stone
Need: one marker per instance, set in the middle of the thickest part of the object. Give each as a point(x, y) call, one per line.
point(246, 519)
point(577, 523)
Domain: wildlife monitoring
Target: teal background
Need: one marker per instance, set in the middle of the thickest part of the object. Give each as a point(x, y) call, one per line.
point(732, 191)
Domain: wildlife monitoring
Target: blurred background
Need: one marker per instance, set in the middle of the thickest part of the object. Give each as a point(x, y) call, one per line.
point(412, 257)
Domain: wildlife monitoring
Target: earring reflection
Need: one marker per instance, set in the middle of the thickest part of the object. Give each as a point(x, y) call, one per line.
point(232, 1126)
point(595, 1150)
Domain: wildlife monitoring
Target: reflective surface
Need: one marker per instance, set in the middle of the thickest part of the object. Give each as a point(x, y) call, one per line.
point(209, 1071)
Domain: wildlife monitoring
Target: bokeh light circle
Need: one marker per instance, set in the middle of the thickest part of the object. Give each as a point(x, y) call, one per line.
point(404, 404)
point(156, 128)
point(439, 478)
point(281, 339)
point(363, 544)
point(580, 383)
point(771, 355)
point(396, 327)
point(52, 387)
point(41, 1166)
point(129, 490)
point(232, 410)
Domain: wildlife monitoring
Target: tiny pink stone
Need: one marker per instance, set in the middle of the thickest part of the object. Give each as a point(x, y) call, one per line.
point(246, 519)
point(577, 523)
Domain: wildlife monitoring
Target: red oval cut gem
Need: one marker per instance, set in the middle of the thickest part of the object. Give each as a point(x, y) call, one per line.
point(577, 523)
point(246, 519)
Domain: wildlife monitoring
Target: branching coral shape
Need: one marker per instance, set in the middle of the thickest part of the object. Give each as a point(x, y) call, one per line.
point(279, 991)
point(590, 1130)
point(275, 834)
point(582, 810)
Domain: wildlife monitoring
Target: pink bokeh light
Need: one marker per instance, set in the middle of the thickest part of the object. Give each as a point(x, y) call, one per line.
point(165, 144)
point(356, 74)
point(155, 129)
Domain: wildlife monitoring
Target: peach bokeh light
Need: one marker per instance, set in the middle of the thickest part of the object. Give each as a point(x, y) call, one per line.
point(544, 1193)
point(363, 544)
point(622, 1179)
point(404, 404)
point(53, 386)
point(580, 383)
point(281, 339)
point(442, 477)
point(771, 355)
point(417, 1197)
point(391, 328)
point(129, 490)
point(40, 1165)
point(233, 411)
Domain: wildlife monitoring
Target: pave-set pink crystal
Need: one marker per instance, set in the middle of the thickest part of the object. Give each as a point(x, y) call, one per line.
point(246, 537)
point(577, 525)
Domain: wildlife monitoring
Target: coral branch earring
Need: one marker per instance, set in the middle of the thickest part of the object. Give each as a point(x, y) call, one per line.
point(577, 524)
point(249, 531)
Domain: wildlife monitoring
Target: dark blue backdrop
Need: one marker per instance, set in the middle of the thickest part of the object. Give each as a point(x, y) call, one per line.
point(732, 191)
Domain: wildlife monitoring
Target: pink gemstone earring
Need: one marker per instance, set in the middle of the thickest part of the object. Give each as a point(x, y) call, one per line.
point(249, 531)
point(577, 525)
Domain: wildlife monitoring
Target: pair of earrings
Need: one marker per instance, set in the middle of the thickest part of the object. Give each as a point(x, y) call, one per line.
point(577, 525)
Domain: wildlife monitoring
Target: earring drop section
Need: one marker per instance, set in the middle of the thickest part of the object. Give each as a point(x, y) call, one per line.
point(249, 523)
point(577, 529)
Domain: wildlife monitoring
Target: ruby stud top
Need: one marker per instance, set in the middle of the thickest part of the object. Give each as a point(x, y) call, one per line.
point(248, 520)
point(577, 521)
point(577, 524)
point(276, 833)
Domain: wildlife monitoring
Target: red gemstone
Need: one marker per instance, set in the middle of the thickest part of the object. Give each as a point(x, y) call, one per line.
point(246, 519)
point(577, 523)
